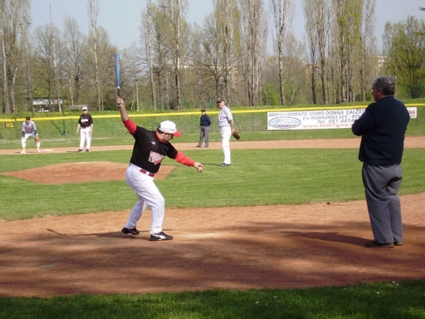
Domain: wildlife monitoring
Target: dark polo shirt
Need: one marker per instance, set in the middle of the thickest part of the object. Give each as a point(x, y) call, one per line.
point(382, 127)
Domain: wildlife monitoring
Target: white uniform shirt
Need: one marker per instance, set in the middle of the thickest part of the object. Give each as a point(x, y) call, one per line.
point(224, 117)
point(29, 128)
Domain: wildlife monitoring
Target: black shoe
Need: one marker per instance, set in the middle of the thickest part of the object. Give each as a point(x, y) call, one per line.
point(87, 150)
point(206, 146)
point(225, 165)
point(398, 243)
point(80, 150)
point(374, 244)
point(160, 236)
point(197, 146)
point(132, 231)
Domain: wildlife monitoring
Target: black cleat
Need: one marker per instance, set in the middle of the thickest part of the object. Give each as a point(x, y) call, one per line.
point(225, 165)
point(132, 231)
point(160, 236)
point(80, 150)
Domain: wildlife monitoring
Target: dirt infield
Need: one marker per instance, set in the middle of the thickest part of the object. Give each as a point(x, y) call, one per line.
point(283, 246)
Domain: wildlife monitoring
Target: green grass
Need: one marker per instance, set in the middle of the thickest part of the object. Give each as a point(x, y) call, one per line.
point(257, 177)
point(389, 300)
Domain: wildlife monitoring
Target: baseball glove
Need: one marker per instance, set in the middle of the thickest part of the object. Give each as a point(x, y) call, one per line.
point(37, 138)
point(236, 135)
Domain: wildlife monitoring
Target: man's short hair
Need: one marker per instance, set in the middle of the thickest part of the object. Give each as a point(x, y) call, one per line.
point(28, 118)
point(386, 84)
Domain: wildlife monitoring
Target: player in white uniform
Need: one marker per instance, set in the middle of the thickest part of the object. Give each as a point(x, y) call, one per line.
point(150, 148)
point(226, 125)
point(29, 129)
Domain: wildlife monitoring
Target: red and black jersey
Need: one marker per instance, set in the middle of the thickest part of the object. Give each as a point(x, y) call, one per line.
point(148, 150)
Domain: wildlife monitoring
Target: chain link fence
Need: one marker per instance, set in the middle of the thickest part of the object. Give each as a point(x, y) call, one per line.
point(107, 126)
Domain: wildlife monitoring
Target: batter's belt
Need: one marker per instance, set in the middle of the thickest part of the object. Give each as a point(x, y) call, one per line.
point(143, 171)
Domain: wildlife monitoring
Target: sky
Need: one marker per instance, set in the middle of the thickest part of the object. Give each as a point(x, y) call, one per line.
point(121, 18)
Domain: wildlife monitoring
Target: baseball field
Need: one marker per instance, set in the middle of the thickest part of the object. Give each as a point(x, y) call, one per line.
point(285, 215)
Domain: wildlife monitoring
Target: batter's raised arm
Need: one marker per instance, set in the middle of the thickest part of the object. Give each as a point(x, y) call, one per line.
point(128, 123)
point(121, 108)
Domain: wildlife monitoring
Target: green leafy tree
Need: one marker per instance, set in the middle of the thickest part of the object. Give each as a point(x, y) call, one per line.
point(404, 44)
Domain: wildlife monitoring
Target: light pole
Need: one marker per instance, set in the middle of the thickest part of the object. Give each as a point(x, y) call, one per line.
point(137, 96)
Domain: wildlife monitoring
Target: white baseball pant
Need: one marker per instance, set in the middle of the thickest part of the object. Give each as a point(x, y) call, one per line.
point(148, 195)
point(226, 133)
point(85, 135)
point(24, 140)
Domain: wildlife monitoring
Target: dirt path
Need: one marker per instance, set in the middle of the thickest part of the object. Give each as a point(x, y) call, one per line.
point(410, 142)
point(283, 246)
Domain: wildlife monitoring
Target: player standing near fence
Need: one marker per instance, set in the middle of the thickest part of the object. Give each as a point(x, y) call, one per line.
point(85, 123)
point(29, 129)
point(150, 148)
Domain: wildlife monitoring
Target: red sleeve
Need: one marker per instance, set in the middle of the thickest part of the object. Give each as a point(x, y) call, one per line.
point(183, 159)
point(130, 125)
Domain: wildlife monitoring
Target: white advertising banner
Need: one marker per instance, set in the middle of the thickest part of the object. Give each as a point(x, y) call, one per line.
point(313, 120)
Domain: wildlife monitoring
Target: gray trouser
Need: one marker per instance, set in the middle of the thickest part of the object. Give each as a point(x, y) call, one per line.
point(204, 133)
point(381, 185)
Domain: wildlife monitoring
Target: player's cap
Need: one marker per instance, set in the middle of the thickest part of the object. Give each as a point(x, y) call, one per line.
point(219, 100)
point(202, 110)
point(169, 127)
point(84, 109)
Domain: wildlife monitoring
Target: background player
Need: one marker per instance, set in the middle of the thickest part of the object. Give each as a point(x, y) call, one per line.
point(150, 148)
point(29, 129)
point(204, 126)
point(85, 122)
point(226, 125)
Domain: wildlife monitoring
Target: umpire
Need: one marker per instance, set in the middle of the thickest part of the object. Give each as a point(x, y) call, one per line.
point(204, 126)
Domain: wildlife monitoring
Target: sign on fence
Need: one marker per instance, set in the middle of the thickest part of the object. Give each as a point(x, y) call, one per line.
point(313, 120)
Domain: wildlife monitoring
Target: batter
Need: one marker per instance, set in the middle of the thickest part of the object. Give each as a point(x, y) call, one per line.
point(150, 148)
point(29, 129)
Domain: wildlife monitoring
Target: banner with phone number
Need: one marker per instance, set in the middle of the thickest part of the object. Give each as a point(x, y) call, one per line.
point(313, 120)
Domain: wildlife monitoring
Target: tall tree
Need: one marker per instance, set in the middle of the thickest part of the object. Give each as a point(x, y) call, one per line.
point(53, 37)
point(75, 42)
point(209, 58)
point(43, 69)
point(227, 20)
point(15, 18)
point(93, 10)
point(368, 64)
point(317, 13)
point(176, 11)
point(348, 18)
point(254, 40)
point(310, 6)
point(148, 48)
point(405, 47)
point(282, 16)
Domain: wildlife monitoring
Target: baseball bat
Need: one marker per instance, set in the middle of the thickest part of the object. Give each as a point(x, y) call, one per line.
point(117, 74)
